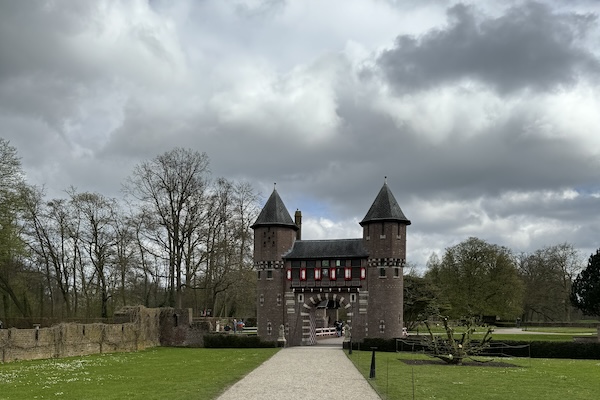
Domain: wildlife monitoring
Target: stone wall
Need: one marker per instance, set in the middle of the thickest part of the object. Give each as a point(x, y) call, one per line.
point(178, 329)
point(140, 330)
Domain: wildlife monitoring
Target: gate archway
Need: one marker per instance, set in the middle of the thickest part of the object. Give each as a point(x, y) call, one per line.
point(309, 326)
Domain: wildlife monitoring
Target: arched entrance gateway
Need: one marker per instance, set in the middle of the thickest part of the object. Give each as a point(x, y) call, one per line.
point(308, 284)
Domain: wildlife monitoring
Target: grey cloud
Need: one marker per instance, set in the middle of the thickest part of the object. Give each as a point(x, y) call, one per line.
point(530, 46)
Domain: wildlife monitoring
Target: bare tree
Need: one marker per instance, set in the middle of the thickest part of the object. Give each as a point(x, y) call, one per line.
point(171, 188)
point(98, 239)
point(548, 274)
point(12, 184)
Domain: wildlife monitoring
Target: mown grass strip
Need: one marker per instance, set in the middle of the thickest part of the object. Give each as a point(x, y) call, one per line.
point(159, 373)
point(548, 379)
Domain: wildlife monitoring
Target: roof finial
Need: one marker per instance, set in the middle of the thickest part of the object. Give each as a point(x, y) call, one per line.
point(385, 180)
point(274, 185)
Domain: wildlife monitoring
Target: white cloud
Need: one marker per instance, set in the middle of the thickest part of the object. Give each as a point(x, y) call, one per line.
point(290, 92)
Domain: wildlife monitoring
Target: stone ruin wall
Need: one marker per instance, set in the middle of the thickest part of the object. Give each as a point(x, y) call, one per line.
point(139, 330)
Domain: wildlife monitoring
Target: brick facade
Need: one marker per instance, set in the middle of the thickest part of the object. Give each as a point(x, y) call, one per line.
point(363, 277)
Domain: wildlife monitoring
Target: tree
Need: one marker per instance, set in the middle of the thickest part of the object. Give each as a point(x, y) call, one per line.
point(421, 300)
point(49, 237)
point(547, 275)
point(585, 293)
point(453, 350)
point(171, 191)
point(478, 279)
point(12, 249)
point(226, 274)
point(96, 214)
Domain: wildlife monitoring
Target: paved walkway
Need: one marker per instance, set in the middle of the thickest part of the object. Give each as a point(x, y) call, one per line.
point(321, 372)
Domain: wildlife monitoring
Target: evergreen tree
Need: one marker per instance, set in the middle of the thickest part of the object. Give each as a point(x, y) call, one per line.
point(585, 292)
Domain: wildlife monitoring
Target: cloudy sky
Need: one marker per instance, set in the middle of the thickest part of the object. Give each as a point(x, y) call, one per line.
point(484, 116)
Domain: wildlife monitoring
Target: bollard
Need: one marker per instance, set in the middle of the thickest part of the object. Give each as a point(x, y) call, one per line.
point(372, 372)
point(350, 344)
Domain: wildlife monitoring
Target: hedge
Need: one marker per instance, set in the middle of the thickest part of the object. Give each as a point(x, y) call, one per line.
point(223, 341)
point(511, 348)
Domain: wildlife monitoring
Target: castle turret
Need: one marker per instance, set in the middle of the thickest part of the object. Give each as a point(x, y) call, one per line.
point(274, 235)
point(384, 237)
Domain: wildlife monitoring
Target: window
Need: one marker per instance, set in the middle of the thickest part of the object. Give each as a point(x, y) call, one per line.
point(348, 273)
point(310, 270)
point(396, 272)
point(269, 274)
point(382, 272)
point(296, 269)
point(332, 275)
point(325, 263)
point(302, 274)
point(261, 299)
point(258, 273)
point(279, 299)
point(355, 268)
point(363, 273)
point(288, 274)
point(317, 274)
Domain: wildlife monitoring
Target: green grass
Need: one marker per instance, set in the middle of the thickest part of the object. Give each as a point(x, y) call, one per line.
point(524, 337)
point(546, 379)
point(557, 334)
point(159, 373)
point(569, 330)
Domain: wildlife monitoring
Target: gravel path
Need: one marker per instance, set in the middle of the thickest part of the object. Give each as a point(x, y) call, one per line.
point(306, 372)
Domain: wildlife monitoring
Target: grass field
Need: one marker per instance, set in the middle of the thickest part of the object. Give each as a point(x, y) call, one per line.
point(527, 379)
point(551, 333)
point(159, 373)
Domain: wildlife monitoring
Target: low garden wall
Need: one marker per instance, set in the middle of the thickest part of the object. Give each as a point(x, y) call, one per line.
point(139, 330)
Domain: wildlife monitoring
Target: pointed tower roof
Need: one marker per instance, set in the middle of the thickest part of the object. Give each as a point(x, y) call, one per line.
point(274, 213)
point(385, 208)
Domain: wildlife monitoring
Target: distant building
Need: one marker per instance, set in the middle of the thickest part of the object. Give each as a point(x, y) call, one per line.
point(305, 284)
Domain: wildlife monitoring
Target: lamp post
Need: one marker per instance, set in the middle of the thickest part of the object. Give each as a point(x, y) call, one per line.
point(372, 372)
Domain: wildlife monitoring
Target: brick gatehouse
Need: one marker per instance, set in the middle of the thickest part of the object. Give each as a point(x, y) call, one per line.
point(306, 284)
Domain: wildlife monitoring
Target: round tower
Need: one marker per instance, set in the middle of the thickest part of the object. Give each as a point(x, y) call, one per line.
point(274, 235)
point(384, 238)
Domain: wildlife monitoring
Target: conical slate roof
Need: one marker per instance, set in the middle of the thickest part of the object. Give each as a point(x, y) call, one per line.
point(384, 208)
point(274, 213)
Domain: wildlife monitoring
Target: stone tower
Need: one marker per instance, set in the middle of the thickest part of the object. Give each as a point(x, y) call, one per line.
point(274, 235)
point(384, 237)
point(360, 278)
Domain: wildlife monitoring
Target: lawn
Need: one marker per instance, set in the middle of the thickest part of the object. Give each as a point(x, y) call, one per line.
point(546, 379)
point(535, 333)
point(159, 373)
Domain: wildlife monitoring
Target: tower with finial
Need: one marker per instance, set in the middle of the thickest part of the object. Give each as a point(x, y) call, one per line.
point(304, 285)
point(274, 235)
point(384, 236)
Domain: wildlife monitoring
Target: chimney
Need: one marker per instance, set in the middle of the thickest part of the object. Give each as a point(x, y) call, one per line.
point(298, 222)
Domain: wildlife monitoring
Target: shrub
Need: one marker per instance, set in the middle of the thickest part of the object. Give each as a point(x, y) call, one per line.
point(534, 349)
point(222, 341)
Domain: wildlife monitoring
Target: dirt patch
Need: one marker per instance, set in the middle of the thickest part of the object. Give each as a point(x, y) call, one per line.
point(468, 363)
